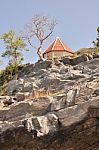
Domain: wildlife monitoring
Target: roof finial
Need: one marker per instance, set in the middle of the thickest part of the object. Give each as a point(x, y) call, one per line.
point(57, 37)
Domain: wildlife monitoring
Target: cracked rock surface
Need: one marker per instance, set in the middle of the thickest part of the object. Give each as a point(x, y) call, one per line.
point(52, 107)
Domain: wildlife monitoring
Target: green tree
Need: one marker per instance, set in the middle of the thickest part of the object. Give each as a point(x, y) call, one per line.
point(96, 43)
point(14, 45)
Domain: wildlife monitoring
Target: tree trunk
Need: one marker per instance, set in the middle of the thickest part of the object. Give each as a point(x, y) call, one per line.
point(40, 54)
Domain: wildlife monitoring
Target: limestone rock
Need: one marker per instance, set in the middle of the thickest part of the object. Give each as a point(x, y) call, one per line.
point(95, 55)
point(96, 92)
point(20, 96)
point(42, 65)
point(58, 104)
point(43, 124)
point(70, 98)
point(55, 106)
point(66, 60)
point(12, 87)
point(8, 102)
point(79, 59)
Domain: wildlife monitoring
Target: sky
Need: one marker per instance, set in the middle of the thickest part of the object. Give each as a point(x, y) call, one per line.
point(77, 21)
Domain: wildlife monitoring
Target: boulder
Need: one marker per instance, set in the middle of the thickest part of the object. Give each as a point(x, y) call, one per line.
point(65, 69)
point(41, 104)
point(54, 70)
point(20, 96)
point(21, 84)
point(57, 62)
point(42, 65)
point(70, 115)
point(26, 84)
point(2, 98)
point(31, 69)
point(40, 72)
point(70, 97)
point(28, 87)
point(43, 124)
point(12, 87)
point(96, 92)
point(16, 112)
point(78, 67)
point(8, 102)
point(26, 70)
point(92, 64)
point(95, 55)
point(58, 103)
point(79, 59)
point(90, 56)
point(66, 60)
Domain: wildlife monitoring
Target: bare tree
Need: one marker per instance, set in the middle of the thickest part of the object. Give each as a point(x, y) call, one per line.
point(40, 28)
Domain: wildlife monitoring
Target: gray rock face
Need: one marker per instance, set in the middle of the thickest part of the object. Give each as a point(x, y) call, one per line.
point(76, 60)
point(71, 97)
point(63, 101)
point(66, 60)
point(31, 69)
point(96, 92)
point(12, 87)
point(70, 115)
point(79, 59)
point(20, 96)
point(48, 98)
point(43, 124)
point(58, 103)
point(95, 55)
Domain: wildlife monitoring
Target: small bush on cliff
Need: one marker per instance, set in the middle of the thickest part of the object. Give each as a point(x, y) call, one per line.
point(90, 50)
point(3, 90)
point(14, 46)
point(87, 50)
point(96, 42)
point(9, 73)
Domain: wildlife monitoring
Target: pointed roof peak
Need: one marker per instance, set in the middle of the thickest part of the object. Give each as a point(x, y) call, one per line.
point(58, 45)
point(57, 37)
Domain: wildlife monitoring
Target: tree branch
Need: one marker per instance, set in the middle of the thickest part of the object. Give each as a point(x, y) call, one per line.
point(31, 44)
point(41, 28)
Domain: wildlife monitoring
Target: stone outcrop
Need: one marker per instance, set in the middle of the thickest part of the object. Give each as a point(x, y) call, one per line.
point(52, 106)
point(79, 59)
point(83, 135)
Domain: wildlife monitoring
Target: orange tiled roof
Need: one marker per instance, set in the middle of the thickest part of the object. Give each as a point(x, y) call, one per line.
point(58, 45)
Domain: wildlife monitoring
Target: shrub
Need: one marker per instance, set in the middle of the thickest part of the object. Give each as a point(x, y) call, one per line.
point(9, 73)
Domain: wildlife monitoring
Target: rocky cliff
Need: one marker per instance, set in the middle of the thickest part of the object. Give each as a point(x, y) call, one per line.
point(53, 105)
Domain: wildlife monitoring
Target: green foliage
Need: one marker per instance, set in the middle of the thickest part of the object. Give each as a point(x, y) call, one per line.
point(90, 50)
point(96, 43)
point(87, 50)
point(14, 46)
point(9, 72)
point(3, 90)
point(97, 39)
